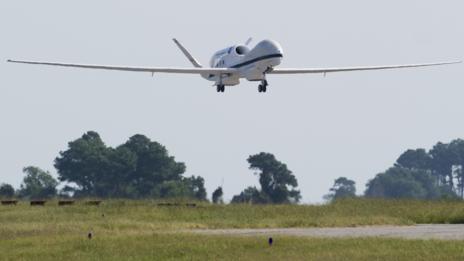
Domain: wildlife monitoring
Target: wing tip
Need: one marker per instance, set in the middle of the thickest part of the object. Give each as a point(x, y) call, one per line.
point(455, 62)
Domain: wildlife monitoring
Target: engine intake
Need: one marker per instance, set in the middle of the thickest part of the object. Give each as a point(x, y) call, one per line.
point(242, 50)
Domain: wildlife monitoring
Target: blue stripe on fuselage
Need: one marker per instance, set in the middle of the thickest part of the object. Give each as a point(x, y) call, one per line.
point(257, 60)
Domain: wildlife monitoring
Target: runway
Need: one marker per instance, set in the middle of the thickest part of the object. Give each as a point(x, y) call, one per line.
point(441, 231)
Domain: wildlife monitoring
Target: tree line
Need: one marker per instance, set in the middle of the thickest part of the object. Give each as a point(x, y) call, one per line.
point(417, 173)
point(140, 169)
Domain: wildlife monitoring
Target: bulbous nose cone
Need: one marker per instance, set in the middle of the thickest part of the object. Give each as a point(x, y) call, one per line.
point(270, 47)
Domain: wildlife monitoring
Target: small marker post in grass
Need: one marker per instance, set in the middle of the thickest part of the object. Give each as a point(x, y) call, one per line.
point(270, 241)
point(37, 202)
point(9, 202)
point(65, 202)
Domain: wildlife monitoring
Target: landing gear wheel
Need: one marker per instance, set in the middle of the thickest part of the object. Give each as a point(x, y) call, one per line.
point(221, 88)
point(263, 86)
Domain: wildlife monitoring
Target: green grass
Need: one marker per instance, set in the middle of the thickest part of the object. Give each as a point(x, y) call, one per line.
point(120, 215)
point(194, 247)
point(140, 230)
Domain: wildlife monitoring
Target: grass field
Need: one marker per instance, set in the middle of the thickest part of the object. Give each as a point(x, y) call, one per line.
point(140, 230)
point(190, 247)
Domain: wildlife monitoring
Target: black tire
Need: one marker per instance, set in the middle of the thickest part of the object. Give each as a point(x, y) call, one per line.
point(260, 88)
point(264, 88)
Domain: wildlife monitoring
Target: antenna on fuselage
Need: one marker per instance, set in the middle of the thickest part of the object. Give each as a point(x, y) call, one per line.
point(249, 41)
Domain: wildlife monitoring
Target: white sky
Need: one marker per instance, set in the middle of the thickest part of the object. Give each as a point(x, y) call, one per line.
point(348, 124)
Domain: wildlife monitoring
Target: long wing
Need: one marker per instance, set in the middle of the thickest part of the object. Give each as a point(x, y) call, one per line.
point(136, 69)
point(350, 69)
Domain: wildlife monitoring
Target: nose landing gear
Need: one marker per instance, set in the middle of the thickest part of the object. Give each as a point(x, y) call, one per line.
point(263, 86)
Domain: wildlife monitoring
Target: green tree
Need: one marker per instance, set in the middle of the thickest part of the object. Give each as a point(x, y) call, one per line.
point(153, 166)
point(443, 159)
point(85, 163)
point(445, 162)
point(37, 184)
point(139, 168)
point(217, 196)
point(191, 187)
point(170, 189)
point(196, 187)
point(115, 181)
point(276, 180)
point(278, 184)
point(250, 195)
point(415, 159)
point(399, 182)
point(342, 188)
point(6, 191)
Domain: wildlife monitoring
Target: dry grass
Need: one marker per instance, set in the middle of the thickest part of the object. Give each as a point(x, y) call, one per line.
point(193, 247)
point(136, 230)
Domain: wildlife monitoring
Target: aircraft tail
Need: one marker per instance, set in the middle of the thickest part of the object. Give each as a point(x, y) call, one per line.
point(187, 54)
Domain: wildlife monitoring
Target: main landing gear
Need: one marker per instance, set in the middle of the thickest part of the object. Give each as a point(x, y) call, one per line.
point(221, 88)
point(263, 86)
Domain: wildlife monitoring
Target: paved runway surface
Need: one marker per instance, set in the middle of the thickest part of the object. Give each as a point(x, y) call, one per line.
point(448, 232)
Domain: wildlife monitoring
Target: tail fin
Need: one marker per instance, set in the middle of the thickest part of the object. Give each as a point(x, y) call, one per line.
point(186, 53)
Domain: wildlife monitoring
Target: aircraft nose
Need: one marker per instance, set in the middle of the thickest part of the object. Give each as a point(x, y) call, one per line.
point(270, 47)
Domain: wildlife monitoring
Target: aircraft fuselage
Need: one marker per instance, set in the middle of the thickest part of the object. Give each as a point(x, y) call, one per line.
point(251, 64)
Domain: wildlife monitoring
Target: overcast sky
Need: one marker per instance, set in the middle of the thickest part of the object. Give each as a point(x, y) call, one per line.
point(348, 124)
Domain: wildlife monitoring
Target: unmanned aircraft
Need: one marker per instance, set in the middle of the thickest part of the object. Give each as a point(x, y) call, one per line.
point(231, 64)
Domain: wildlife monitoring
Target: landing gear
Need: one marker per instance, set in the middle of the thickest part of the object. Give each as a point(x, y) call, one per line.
point(263, 86)
point(221, 88)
